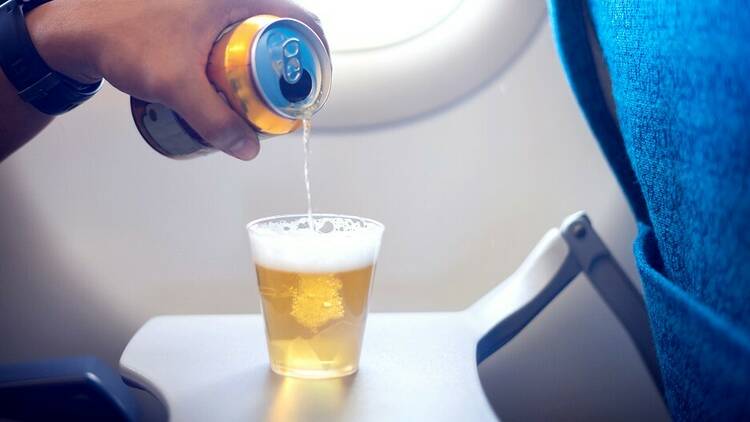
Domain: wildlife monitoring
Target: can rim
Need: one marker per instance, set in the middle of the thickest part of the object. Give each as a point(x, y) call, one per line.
point(325, 65)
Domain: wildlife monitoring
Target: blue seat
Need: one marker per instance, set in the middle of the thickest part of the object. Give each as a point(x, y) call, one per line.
point(79, 389)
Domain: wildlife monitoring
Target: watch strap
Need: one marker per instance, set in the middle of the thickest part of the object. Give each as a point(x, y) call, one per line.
point(29, 5)
point(36, 83)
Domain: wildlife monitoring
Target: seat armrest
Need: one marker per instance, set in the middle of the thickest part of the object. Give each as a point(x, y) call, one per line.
point(80, 388)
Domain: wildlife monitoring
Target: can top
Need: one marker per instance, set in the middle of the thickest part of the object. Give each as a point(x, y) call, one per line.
point(291, 68)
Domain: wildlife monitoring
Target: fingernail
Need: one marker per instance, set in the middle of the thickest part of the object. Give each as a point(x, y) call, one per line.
point(316, 18)
point(244, 149)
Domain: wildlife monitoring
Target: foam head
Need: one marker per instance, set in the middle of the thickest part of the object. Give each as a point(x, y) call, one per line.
point(338, 243)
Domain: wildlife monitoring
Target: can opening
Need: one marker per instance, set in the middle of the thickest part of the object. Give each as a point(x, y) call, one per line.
point(298, 91)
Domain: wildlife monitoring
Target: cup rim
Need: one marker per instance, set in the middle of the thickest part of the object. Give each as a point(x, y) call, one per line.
point(250, 226)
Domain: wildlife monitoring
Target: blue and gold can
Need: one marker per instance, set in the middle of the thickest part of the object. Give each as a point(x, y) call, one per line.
point(272, 71)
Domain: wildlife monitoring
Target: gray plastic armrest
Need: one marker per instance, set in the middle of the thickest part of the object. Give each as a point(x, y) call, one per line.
point(554, 262)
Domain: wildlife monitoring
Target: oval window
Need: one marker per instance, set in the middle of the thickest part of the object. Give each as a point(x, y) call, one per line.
point(399, 59)
point(365, 24)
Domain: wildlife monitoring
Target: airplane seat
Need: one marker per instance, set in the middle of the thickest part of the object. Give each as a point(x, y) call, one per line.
point(79, 388)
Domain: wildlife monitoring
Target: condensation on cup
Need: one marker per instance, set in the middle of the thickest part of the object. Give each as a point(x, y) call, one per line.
point(272, 71)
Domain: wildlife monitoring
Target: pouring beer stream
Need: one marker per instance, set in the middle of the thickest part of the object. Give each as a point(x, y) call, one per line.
point(306, 130)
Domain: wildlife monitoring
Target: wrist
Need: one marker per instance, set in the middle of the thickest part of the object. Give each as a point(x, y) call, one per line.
point(60, 37)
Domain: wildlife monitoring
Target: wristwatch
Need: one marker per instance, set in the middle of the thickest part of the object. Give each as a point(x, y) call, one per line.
point(36, 83)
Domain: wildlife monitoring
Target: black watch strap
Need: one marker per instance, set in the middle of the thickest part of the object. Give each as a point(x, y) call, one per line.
point(29, 5)
point(36, 83)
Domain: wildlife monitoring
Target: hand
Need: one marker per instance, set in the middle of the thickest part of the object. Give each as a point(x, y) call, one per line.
point(155, 51)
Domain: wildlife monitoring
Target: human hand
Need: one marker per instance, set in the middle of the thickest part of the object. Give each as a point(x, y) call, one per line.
point(156, 51)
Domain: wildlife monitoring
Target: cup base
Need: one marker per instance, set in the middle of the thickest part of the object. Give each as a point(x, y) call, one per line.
point(314, 373)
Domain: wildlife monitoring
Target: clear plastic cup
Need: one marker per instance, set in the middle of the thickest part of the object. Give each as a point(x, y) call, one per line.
point(314, 287)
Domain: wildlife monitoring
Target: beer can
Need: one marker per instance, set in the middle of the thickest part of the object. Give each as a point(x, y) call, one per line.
point(272, 71)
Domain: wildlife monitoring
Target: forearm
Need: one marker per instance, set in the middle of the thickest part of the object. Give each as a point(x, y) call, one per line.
point(19, 121)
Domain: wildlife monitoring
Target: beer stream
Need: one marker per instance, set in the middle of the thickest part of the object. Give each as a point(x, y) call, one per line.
point(306, 128)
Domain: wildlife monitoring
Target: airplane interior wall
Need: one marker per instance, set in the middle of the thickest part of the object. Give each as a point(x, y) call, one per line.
point(100, 233)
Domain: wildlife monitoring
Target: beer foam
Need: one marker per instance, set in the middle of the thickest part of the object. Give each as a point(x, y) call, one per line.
point(338, 243)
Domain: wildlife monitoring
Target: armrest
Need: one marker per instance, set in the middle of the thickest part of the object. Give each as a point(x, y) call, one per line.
point(553, 263)
point(507, 309)
point(614, 287)
point(81, 389)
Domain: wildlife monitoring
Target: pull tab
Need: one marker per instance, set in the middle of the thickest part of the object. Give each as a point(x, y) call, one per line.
point(292, 66)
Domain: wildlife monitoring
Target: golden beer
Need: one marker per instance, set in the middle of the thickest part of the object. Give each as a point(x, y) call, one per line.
point(314, 289)
point(314, 321)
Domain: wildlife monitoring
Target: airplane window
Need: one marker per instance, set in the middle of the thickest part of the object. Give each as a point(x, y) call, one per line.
point(353, 25)
point(413, 58)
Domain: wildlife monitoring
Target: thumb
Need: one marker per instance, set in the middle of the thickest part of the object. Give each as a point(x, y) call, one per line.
point(282, 8)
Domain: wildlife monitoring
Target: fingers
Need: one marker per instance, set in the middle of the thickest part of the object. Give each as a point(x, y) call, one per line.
point(201, 106)
point(242, 9)
point(295, 11)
